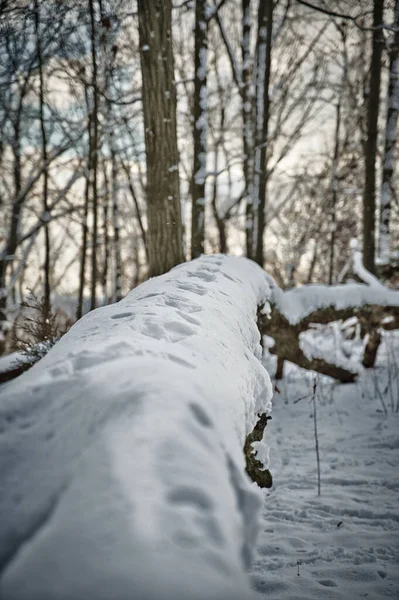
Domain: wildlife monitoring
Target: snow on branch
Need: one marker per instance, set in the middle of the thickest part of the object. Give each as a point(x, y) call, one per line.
point(122, 450)
point(298, 303)
point(361, 271)
point(294, 311)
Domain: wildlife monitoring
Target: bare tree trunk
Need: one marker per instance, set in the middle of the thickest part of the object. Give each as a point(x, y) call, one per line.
point(312, 263)
point(165, 232)
point(200, 115)
point(390, 142)
point(220, 222)
point(47, 290)
point(7, 254)
point(83, 254)
point(334, 192)
point(264, 46)
point(105, 234)
point(94, 156)
point(137, 207)
point(371, 142)
point(85, 227)
point(116, 225)
point(247, 112)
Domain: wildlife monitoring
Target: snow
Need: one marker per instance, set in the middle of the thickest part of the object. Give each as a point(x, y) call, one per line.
point(202, 69)
point(11, 361)
point(121, 450)
point(297, 303)
point(360, 270)
point(347, 540)
point(330, 343)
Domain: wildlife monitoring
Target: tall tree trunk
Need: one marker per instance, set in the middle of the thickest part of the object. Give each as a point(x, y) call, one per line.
point(105, 234)
point(83, 252)
point(137, 207)
point(334, 193)
point(264, 46)
point(94, 155)
point(200, 115)
point(116, 225)
point(165, 232)
point(10, 247)
point(46, 267)
point(371, 142)
point(220, 221)
point(85, 227)
point(247, 112)
point(390, 142)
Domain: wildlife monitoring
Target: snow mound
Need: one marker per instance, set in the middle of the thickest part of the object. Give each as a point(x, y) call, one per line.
point(121, 451)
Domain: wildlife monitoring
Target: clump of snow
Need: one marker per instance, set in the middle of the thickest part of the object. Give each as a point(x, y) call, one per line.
point(297, 303)
point(334, 343)
point(261, 450)
point(121, 450)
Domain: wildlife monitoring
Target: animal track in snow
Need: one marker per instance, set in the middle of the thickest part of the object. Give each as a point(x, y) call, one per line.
point(182, 303)
point(180, 361)
point(200, 415)
point(178, 330)
point(229, 277)
point(188, 318)
point(190, 495)
point(205, 275)
point(173, 331)
point(192, 287)
point(327, 583)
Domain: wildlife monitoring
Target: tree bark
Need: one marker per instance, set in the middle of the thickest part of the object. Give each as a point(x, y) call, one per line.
point(371, 141)
point(334, 193)
point(8, 252)
point(85, 227)
point(137, 207)
point(219, 220)
point(116, 225)
point(94, 156)
point(248, 132)
point(46, 266)
point(165, 232)
point(106, 252)
point(200, 122)
point(254, 468)
point(264, 47)
point(390, 143)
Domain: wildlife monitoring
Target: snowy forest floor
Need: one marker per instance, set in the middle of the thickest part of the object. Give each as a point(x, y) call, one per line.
point(347, 540)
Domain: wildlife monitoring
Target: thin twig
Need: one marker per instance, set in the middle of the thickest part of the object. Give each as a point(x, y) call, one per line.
point(316, 436)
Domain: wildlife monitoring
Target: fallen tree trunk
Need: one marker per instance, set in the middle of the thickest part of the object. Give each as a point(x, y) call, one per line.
point(290, 313)
point(121, 454)
point(287, 347)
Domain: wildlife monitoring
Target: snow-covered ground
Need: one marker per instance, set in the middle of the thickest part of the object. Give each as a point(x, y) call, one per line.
point(345, 543)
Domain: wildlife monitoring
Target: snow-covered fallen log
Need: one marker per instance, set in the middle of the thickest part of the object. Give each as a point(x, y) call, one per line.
point(121, 452)
point(294, 311)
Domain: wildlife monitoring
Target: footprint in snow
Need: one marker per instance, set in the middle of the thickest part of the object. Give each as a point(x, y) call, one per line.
point(204, 275)
point(192, 287)
point(327, 583)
